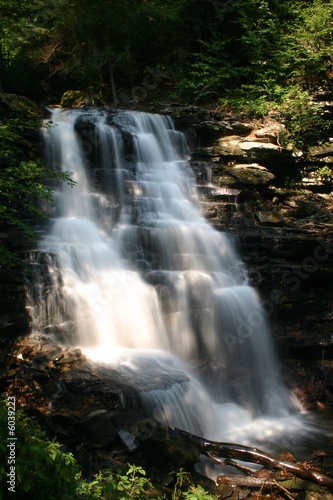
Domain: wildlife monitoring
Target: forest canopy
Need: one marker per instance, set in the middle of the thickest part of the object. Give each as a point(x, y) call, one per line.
point(200, 50)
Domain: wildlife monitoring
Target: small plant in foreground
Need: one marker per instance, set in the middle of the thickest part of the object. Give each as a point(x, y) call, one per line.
point(40, 463)
point(42, 466)
point(183, 479)
point(121, 485)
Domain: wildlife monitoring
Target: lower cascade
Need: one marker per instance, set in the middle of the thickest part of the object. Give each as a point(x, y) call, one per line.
point(131, 272)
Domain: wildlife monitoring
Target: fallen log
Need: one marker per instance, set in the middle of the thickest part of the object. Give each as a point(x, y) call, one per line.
point(254, 455)
point(253, 482)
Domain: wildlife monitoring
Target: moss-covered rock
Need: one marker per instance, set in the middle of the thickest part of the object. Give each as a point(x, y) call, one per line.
point(77, 99)
point(15, 106)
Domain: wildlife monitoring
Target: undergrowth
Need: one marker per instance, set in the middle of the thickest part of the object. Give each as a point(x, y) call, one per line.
point(294, 107)
point(42, 469)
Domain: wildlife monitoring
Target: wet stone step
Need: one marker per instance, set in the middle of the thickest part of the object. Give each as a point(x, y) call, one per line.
point(219, 193)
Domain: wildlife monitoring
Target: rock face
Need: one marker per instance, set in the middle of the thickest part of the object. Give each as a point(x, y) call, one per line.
point(279, 211)
point(14, 318)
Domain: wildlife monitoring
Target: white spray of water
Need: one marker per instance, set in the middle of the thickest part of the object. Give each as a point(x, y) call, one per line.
point(155, 283)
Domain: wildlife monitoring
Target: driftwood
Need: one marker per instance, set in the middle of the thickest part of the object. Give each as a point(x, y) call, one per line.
point(253, 482)
point(248, 481)
point(217, 451)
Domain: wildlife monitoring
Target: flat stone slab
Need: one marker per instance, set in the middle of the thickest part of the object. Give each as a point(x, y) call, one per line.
point(248, 145)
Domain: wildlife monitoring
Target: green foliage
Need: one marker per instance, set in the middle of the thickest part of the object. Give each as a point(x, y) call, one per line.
point(251, 100)
point(23, 179)
point(198, 493)
point(24, 26)
point(121, 485)
point(305, 125)
point(134, 484)
point(326, 173)
point(181, 479)
point(40, 464)
point(43, 468)
point(303, 118)
point(210, 72)
point(268, 56)
point(209, 49)
point(184, 489)
point(307, 49)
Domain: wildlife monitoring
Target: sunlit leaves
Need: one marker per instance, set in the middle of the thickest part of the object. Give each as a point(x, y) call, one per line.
point(23, 178)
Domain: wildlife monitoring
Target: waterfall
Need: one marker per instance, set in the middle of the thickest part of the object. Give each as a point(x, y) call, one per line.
point(131, 272)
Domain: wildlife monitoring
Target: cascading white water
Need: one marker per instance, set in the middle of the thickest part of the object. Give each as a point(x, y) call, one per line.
point(137, 277)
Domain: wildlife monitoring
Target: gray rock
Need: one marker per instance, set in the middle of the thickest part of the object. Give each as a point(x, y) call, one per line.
point(270, 218)
point(128, 440)
point(241, 128)
point(251, 174)
point(249, 145)
point(321, 151)
point(270, 133)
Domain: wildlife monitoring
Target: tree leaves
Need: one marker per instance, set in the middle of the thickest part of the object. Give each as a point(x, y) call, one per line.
point(24, 182)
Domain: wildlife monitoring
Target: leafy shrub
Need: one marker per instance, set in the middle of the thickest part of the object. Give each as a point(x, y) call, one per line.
point(44, 470)
point(210, 72)
point(41, 467)
point(23, 179)
point(121, 485)
point(326, 173)
point(302, 117)
point(192, 492)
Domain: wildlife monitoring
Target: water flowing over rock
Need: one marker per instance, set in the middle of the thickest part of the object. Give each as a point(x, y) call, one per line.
point(132, 273)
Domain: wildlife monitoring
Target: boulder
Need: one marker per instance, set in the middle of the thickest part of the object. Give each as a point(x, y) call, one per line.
point(76, 99)
point(241, 128)
point(253, 174)
point(256, 149)
point(271, 133)
point(322, 151)
point(273, 218)
point(13, 106)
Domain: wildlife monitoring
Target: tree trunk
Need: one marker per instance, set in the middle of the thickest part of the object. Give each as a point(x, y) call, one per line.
point(111, 74)
point(113, 87)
